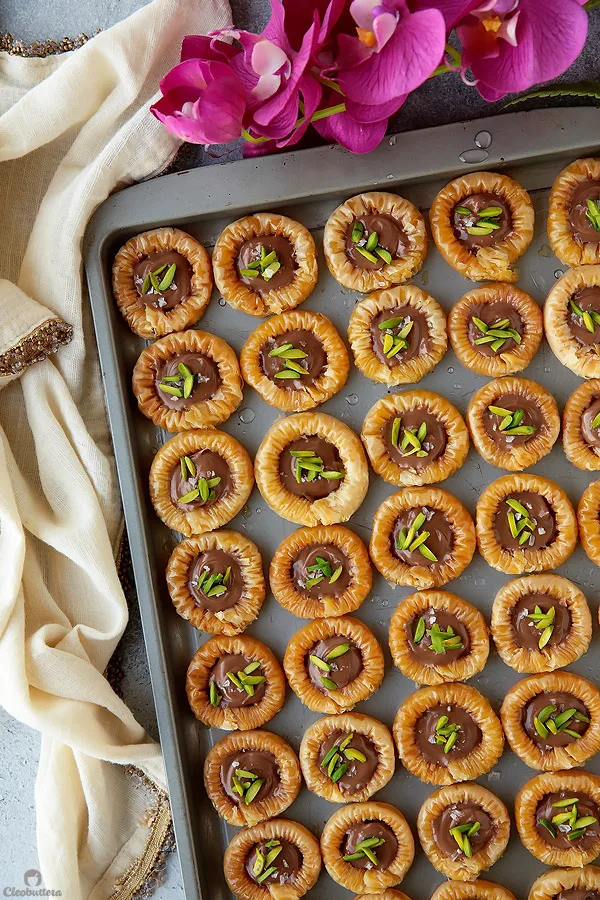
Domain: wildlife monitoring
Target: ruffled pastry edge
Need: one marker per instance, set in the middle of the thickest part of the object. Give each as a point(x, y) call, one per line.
point(576, 450)
point(588, 517)
point(580, 359)
point(549, 884)
point(569, 250)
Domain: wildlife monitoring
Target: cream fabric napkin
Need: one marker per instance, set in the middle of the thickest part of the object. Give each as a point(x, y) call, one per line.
point(73, 128)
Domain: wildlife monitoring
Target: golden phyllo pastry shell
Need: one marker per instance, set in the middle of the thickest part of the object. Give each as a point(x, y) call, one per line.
point(515, 459)
point(583, 360)
point(472, 890)
point(465, 868)
point(494, 263)
point(277, 300)
point(234, 719)
point(518, 562)
point(394, 405)
point(510, 361)
point(247, 555)
point(460, 669)
point(301, 603)
point(396, 272)
point(526, 804)
point(556, 656)
point(588, 516)
point(577, 450)
point(317, 779)
point(296, 668)
point(390, 894)
point(550, 884)
point(406, 371)
point(213, 411)
point(201, 519)
point(421, 577)
point(337, 506)
point(146, 321)
point(288, 765)
point(511, 713)
point(482, 758)
point(300, 396)
point(234, 862)
point(369, 881)
point(569, 250)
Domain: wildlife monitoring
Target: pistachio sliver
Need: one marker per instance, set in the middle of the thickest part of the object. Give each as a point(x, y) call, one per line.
point(420, 633)
point(463, 211)
point(271, 270)
point(279, 351)
point(329, 684)
point(396, 424)
point(427, 553)
point(213, 694)
point(372, 241)
point(190, 496)
point(384, 254)
point(479, 229)
point(500, 411)
point(146, 284)
point(319, 663)
point(391, 323)
point(273, 854)
point(518, 507)
point(171, 389)
point(335, 575)
point(286, 373)
point(357, 232)
point(366, 253)
point(338, 651)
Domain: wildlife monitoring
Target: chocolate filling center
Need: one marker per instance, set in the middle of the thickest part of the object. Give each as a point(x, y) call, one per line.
point(494, 316)
point(437, 638)
point(415, 438)
point(399, 334)
point(310, 467)
point(531, 527)
point(581, 223)
point(172, 384)
point(215, 580)
point(583, 316)
point(372, 845)
point(590, 425)
point(316, 571)
point(273, 862)
point(166, 288)
point(351, 760)
point(207, 467)
point(294, 359)
point(430, 550)
point(450, 829)
point(555, 719)
point(390, 237)
point(526, 420)
point(231, 691)
point(282, 264)
point(339, 662)
point(235, 772)
point(578, 894)
point(446, 733)
point(481, 220)
point(529, 629)
point(566, 825)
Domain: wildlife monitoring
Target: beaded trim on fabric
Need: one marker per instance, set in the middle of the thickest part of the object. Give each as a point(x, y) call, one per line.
point(40, 48)
point(40, 343)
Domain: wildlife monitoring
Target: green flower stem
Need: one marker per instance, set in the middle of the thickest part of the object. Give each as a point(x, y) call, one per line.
point(319, 114)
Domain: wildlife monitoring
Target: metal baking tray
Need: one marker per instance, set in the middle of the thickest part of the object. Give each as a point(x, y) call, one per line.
point(307, 185)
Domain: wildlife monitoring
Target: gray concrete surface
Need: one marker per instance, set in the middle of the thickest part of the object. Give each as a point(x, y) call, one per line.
point(443, 100)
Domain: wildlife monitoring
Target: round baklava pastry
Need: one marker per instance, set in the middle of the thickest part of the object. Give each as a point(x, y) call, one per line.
point(216, 581)
point(279, 859)
point(588, 516)
point(321, 571)
point(348, 757)
point(265, 263)
point(332, 664)
point(552, 721)
point(472, 890)
point(574, 213)
point(190, 379)
point(567, 884)
point(422, 537)
point(513, 422)
point(525, 523)
point(367, 847)
point(572, 320)
point(436, 636)
point(311, 469)
point(495, 329)
point(481, 224)
point(295, 360)
point(397, 336)
point(464, 829)
point(374, 240)
point(558, 817)
point(414, 438)
point(540, 623)
point(162, 281)
point(235, 683)
point(200, 480)
point(251, 776)
point(581, 426)
point(448, 733)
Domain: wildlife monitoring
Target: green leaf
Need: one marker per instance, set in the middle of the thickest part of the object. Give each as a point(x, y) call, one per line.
point(578, 89)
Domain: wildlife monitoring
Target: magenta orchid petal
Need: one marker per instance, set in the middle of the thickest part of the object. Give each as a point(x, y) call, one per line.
point(273, 107)
point(192, 73)
point(280, 125)
point(452, 10)
point(362, 12)
point(311, 92)
point(367, 114)
point(268, 58)
point(197, 46)
point(406, 61)
point(384, 26)
point(351, 52)
point(265, 87)
point(353, 135)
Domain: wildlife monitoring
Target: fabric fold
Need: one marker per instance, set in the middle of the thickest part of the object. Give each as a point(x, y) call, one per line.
point(29, 331)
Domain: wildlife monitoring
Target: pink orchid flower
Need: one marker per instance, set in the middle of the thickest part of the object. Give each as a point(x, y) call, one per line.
point(510, 45)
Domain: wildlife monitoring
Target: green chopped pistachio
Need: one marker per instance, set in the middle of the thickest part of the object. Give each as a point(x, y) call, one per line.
point(338, 651)
point(366, 253)
point(329, 684)
point(419, 631)
point(372, 241)
point(320, 663)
